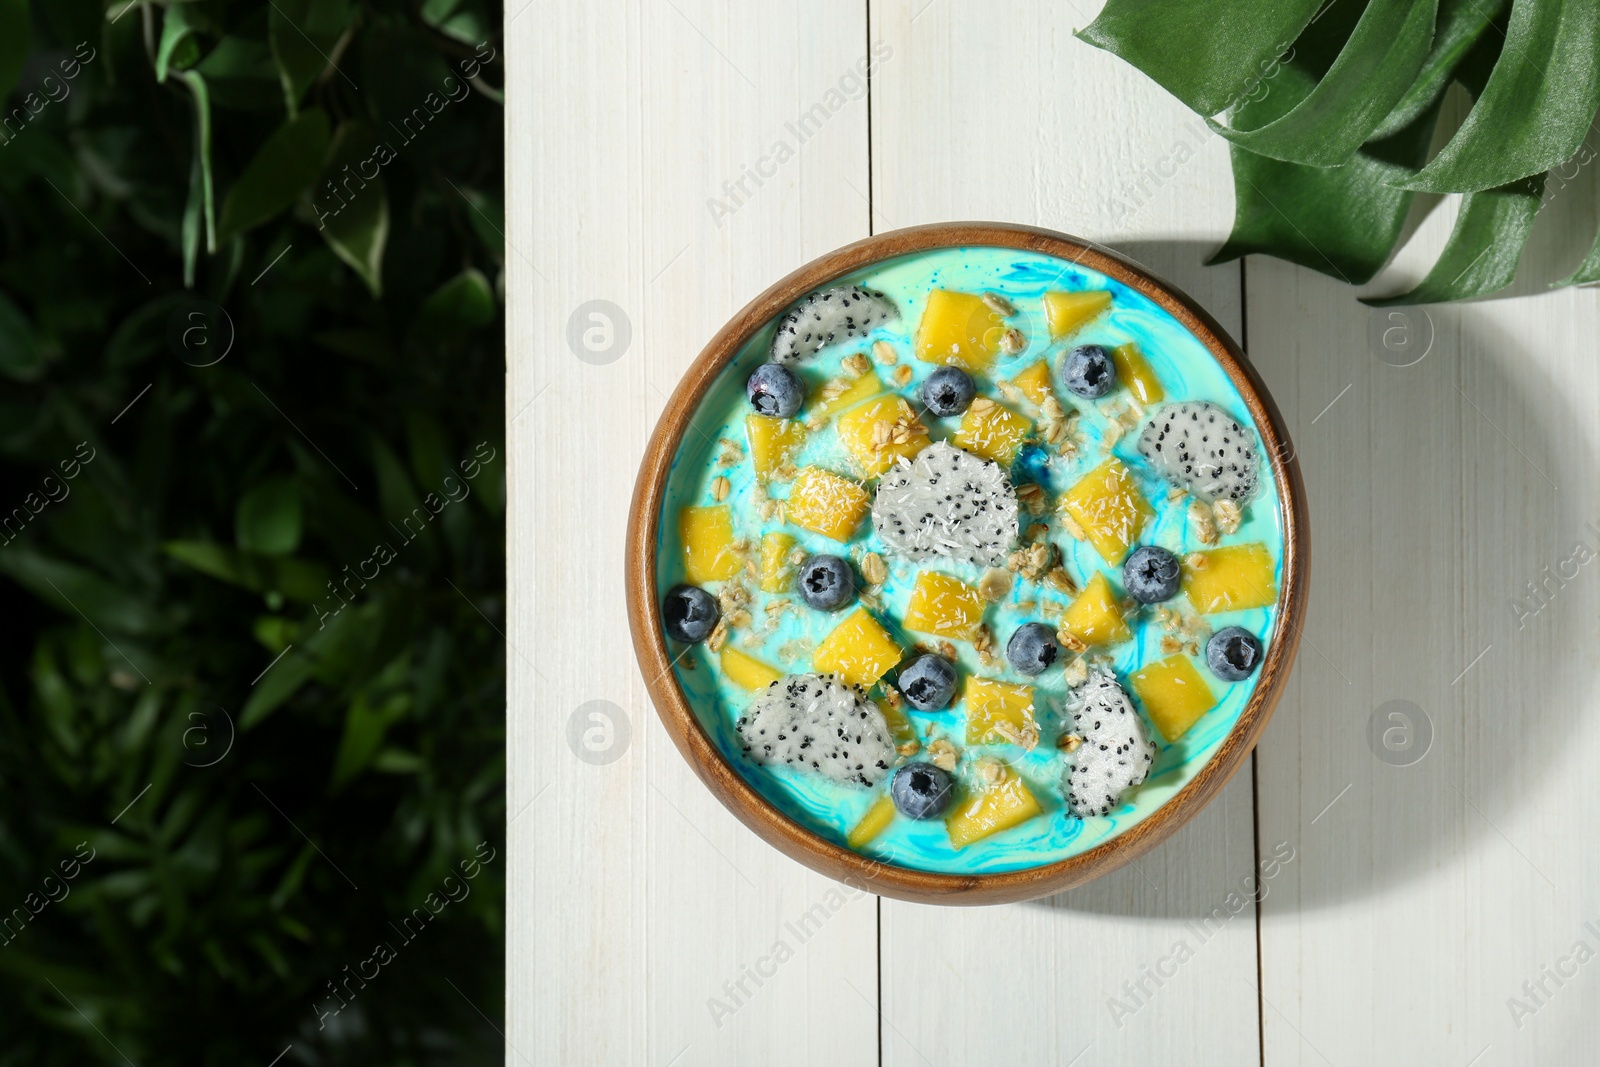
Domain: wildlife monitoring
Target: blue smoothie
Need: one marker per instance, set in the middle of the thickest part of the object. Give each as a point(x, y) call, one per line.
point(713, 468)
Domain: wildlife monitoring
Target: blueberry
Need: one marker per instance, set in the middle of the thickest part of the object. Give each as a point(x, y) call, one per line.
point(928, 682)
point(690, 613)
point(1233, 653)
point(775, 390)
point(1089, 372)
point(826, 582)
point(921, 790)
point(1151, 575)
point(948, 391)
point(1032, 648)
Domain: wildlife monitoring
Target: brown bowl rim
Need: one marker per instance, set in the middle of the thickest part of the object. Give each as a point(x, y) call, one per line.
point(741, 797)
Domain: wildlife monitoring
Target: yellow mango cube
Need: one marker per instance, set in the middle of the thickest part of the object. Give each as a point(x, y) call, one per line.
point(873, 823)
point(1108, 507)
point(707, 538)
point(1095, 617)
point(1000, 806)
point(959, 329)
point(1034, 383)
point(1230, 578)
point(859, 650)
point(863, 388)
point(1065, 312)
point(745, 670)
point(992, 431)
point(944, 606)
point(990, 703)
point(772, 442)
point(824, 503)
point(776, 572)
point(1174, 695)
point(1134, 372)
point(881, 431)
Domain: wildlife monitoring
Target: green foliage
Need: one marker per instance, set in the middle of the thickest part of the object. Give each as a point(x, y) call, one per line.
point(251, 528)
point(1199, 50)
point(1371, 73)
point(1481, 254)
point(14, 40)
point(1332, 108)
point(1536, 107)
point(284, 168)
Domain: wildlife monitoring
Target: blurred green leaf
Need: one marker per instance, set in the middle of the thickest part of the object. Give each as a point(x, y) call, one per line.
point(415, 92)
point(362, 344)
point(269, 518)
point(353, 215)
point(20, 355)
point(179, 47)
point(462, 19)
point(193, 225)
point(490, 484)
point(202, 191)
point(16, 35)
point(79, 592)
point(364, 730)
point(299, 579)
point(404, 512)
point(142, 335)
point(274, 632)
point(241, 71)
point(487, 218)
point(293, 578)
point(396, 495)
point(430, 454)
point(303, 35)
point(220, 562)
point(463, 303)
point(286, 165)
point(398, 761)
point(281, 681)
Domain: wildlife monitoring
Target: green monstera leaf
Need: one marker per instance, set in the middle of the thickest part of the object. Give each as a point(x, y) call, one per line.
point(1326, 161)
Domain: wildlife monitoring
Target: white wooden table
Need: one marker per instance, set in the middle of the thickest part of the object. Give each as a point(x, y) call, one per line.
point(659, 161)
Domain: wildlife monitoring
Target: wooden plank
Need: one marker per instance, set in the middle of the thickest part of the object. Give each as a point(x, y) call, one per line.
point(995, 111)
point(643, 171)
point(1440, 879)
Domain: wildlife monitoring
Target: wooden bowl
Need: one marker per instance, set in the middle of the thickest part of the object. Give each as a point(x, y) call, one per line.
point(740, 796)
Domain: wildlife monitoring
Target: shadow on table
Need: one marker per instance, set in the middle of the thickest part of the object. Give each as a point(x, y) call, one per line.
point(1454, 543)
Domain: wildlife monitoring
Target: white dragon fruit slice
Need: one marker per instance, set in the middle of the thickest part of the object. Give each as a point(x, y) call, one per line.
point(1116, 752)
point(828, 317)
point(1199, 447)
point(821, 725)
point(947, 502)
